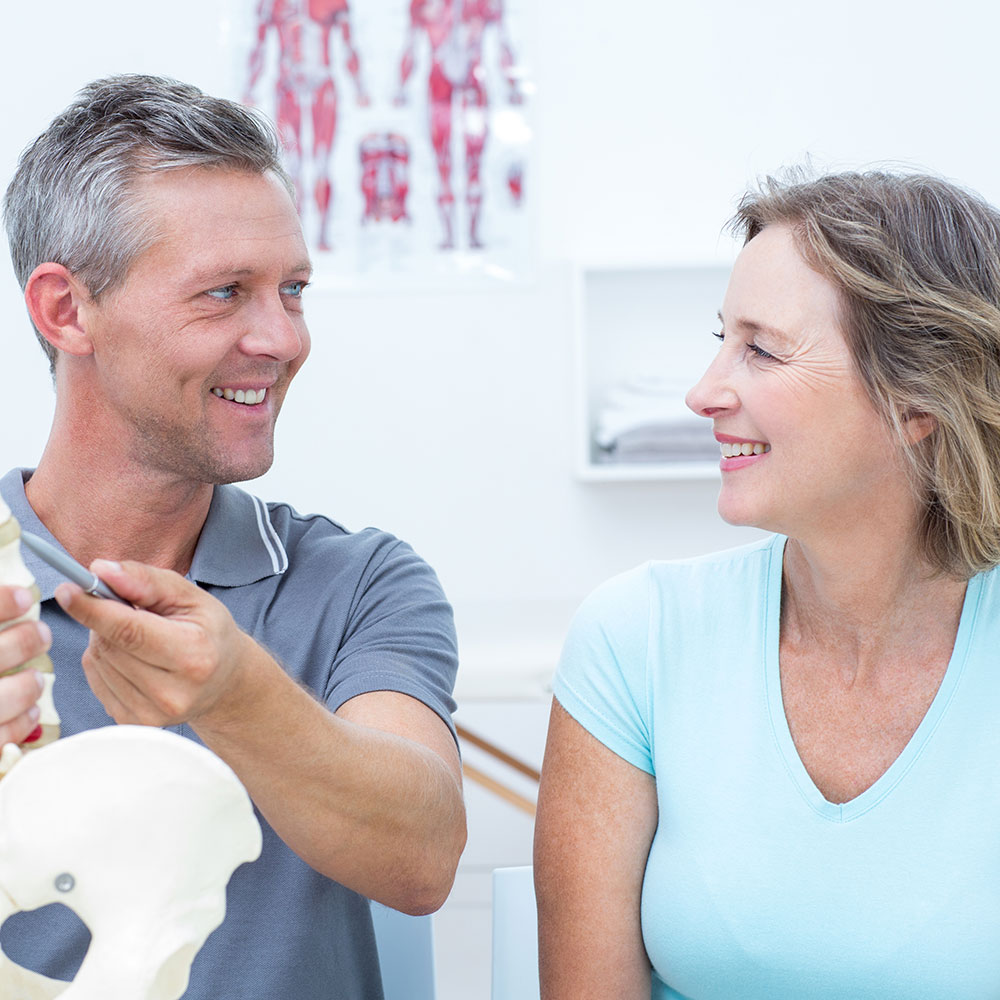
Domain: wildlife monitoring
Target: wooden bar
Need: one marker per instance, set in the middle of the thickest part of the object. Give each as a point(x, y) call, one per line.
point(494, 751)
point(498, 788)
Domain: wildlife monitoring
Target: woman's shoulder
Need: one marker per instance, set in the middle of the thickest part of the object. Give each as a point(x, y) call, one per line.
point(692, 581)
point(749, 555)
point(745, 566)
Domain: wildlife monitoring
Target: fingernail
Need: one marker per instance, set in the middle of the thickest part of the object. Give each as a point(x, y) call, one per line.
point(45, 632)
point(41, 681)
point(23, 599)
point(105, 564)
point(34, 713)
point(35, 735)
point(62, 595)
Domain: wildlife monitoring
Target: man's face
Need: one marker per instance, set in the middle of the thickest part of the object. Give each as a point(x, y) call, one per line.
point(208, 319)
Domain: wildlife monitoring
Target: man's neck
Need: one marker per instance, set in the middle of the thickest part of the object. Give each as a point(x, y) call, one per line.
point(100, 509)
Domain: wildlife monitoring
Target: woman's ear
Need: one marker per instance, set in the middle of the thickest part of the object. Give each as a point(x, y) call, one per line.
point(917, 426)
point(55, 298)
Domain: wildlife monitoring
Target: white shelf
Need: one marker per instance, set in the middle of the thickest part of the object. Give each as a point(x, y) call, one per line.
point(641, 320)
point(635, 472)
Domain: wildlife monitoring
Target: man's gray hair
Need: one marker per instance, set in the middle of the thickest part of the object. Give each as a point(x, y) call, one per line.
point(72, 197)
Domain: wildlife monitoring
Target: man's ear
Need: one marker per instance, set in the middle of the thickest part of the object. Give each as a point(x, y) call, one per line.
point(56, 300)
point(918, 425)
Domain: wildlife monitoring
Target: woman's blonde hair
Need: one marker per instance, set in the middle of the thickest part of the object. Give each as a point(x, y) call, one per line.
point(916, 260)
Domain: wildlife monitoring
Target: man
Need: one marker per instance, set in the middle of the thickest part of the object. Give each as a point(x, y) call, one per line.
point(156, 239)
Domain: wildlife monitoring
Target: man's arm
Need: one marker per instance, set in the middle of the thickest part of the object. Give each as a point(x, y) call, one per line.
point(370, 796)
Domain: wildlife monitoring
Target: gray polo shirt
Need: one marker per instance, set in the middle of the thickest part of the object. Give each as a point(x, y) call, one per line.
point(344, 613)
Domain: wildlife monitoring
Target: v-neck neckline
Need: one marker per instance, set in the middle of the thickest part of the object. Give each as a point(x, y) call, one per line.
point(895, 773)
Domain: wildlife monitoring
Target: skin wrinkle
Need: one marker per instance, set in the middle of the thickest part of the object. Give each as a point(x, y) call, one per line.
point(867, 625)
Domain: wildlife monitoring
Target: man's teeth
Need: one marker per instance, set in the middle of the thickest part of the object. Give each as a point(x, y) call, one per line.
point(732, 449)
point(250, 397)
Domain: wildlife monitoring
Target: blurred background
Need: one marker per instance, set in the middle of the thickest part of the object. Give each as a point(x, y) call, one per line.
point(458, 398)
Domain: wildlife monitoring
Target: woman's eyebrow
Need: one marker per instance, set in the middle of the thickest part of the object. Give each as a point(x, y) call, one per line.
point(752, 326)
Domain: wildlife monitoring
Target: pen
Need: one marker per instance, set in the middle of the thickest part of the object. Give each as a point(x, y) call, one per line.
point(70, 568)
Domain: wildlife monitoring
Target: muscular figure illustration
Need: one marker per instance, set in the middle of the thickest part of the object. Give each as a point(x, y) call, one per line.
point(385, 160)
point(305, 78)
point(455, 30)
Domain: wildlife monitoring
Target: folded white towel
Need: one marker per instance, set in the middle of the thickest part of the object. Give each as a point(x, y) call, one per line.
point(647, 413)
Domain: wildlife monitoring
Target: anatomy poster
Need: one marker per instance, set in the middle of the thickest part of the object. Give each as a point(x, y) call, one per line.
point(406, 126)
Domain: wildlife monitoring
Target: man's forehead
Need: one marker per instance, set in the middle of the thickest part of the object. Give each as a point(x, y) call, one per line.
point(235, 194)
point(214, 222)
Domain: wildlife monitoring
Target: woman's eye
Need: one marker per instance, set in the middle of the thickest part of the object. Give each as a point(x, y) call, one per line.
point(751, 347)
point(224, 294)
point(760, 352)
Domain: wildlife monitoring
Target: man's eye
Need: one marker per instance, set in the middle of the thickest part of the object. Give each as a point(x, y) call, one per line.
point(225, 293)
point(294, 288)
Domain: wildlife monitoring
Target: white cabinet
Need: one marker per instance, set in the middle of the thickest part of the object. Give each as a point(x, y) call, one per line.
point(638, 328)
point(500, 836)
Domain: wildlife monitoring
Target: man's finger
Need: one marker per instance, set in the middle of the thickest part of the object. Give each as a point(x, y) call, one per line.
point(123, 626)
point(14, 602)
point(23, 642)
point(105, 692)
point(138, 692)
point(176, 627)
point(161, 591)
point(19, 729)
point(18, 693)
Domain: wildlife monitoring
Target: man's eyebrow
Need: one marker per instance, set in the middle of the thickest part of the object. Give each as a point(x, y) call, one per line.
point(223, 274)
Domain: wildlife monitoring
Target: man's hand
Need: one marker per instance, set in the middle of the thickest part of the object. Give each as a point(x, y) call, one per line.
point(175, 657)
point(18, 644)
point(369, 796)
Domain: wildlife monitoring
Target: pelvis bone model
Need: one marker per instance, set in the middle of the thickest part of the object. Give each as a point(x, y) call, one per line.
point(138, 831)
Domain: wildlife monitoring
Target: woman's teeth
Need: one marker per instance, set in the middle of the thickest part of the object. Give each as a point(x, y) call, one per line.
point(249, 397)
point(735, 448)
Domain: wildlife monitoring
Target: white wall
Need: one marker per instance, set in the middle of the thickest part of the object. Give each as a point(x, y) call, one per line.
point(446, 417)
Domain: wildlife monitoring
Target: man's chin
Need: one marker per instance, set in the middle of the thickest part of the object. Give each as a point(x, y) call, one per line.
point(241, 473)
point(220, 470)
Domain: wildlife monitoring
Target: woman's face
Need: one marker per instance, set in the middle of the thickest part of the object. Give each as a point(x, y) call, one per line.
point(783, 386)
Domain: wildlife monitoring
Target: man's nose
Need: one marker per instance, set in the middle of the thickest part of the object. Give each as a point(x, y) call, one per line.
point(274, 332)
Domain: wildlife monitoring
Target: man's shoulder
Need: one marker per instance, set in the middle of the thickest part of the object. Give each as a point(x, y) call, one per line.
point(319, 532)
point(317, 543)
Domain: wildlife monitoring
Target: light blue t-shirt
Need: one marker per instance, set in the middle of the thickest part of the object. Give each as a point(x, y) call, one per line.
point(758, 888)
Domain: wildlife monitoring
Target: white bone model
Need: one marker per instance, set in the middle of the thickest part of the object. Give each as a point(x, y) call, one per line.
point(14, 573)
point(136, 830)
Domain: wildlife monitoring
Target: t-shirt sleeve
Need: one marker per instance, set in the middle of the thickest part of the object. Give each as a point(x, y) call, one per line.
point(400, 635)
point(601, 677)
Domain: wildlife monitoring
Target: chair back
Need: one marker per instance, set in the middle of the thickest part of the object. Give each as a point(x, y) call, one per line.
point(405, 953)
point(515, 935)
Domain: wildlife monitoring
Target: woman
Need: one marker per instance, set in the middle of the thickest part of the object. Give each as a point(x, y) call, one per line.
point(772, 772)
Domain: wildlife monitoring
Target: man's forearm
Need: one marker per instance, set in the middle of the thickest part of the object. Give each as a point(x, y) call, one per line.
point(373, 809)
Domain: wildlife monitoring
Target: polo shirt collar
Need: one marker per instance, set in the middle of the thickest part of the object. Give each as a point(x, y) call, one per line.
point(238, 544)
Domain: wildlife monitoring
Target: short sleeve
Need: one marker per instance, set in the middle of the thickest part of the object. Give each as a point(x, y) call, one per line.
point(601, 678)
point(400, 634)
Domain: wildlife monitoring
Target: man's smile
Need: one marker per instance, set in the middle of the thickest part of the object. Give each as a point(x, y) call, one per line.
point(249, 397)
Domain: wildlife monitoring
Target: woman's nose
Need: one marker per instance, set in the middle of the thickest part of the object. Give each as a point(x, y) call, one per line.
point(712, 392)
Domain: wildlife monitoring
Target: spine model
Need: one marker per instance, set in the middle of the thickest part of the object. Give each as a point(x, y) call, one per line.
point(14, 573)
